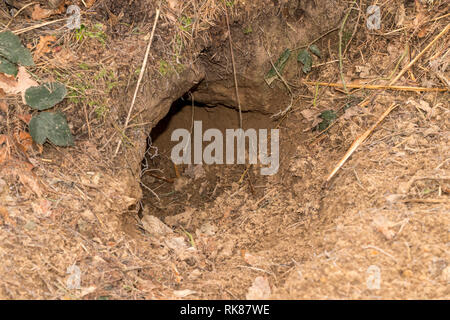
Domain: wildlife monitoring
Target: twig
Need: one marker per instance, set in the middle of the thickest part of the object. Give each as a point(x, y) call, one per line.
point(440, 35)
point(355, 28)
point(376, 86)
point(359, 141)
point(234, 68)
point(17, 13)
point(141, 74)
point(316, 39)
point(381, 250)
point(341, 67)
point(426, 200)
point(37, 26)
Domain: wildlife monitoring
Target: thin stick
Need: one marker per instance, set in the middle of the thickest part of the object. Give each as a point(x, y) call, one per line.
point(355, 28)
point(141, 74)
point(426, 200)
point(341, 67)
point(234, 68)
point(440, 35)
point(17, 13)
point(359, 141)
point(376, 86)
point(37, 26)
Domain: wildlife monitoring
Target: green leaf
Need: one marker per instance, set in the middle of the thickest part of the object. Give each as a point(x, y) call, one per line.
point(12, 49)
point(305, 58)
point(45, 96)
point(51, 126)
point(281, 62)
point(328, 116)
point(315, 50)
point(8, 67)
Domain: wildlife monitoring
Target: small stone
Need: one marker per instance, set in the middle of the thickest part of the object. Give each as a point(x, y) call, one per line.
point(154, 226)
point(30, 225)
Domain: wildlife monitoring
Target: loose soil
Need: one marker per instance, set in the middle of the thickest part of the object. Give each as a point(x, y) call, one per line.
point(139, 227)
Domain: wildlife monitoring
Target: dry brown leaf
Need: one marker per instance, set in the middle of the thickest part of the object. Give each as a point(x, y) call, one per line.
point(18, 85)
point(58, 5)
point(89, 3)
point(43, 46)
point(5, 215)
point(6, 81)
point(24, 140)
point(28, 179)
point(309, 114)
point(40, 13)
point(3, 106)
point(26, 117)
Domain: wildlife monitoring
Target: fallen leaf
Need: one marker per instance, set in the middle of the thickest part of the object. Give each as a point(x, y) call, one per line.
point(40, 13)
point(29, 180)
point(423, 32)
point(26, 117)
point(3, 106)
point(18, 85)
point(43, 46)
point(154, 226)
point(310, 114)
point(89, 3)
point(5, 215)
point(24, 140)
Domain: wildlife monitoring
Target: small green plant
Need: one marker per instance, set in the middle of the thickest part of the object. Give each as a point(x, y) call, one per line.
point(279, 65)
point(306, 59)
point(95, 33)
point(186, 23)
point(328, 117)
point(247, 30)
point(230, 4)
point(43, 126)
point(101, 111)
point(164, 67)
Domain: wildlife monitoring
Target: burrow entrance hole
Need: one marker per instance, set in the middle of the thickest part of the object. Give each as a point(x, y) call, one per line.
point(169, 189)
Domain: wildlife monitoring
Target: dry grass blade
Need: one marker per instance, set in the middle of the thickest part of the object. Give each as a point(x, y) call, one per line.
point(141, 74)
point(375, 86)
point(37, 26)
point(359, 141)
point(406, 68)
